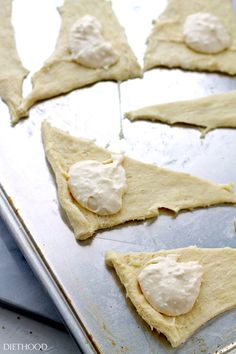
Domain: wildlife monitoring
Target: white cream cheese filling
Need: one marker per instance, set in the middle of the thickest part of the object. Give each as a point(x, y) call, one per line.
point(97, 186)
point(88, 46)
point(169, 286)
point(205, 33)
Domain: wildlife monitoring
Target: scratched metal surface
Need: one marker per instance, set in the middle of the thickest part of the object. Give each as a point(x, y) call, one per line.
point(92, 292)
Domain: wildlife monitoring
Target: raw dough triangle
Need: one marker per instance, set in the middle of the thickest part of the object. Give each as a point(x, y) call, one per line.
point(149, 187)
point(217, 292)
point(166, 46)
point(12, 72)
point(60, 74)
point(217, 111)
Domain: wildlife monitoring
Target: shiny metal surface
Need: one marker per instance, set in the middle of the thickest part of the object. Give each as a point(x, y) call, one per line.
point(87, 293)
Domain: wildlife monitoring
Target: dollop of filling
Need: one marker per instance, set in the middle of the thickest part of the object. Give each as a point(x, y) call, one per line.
point(97, 186)
point(205, 33)
point(88, 46)
point(169, 286)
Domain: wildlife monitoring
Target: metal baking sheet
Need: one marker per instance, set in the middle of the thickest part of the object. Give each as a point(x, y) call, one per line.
point(89, 295)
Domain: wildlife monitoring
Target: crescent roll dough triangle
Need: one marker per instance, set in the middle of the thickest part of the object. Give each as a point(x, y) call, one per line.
point(217, 111)
point(166, 46)
point(149, 187)
point(217, 292)
point(60, 74)
point(12, 72)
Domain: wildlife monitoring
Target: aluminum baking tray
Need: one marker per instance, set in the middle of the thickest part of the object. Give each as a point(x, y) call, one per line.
point(88, 295)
